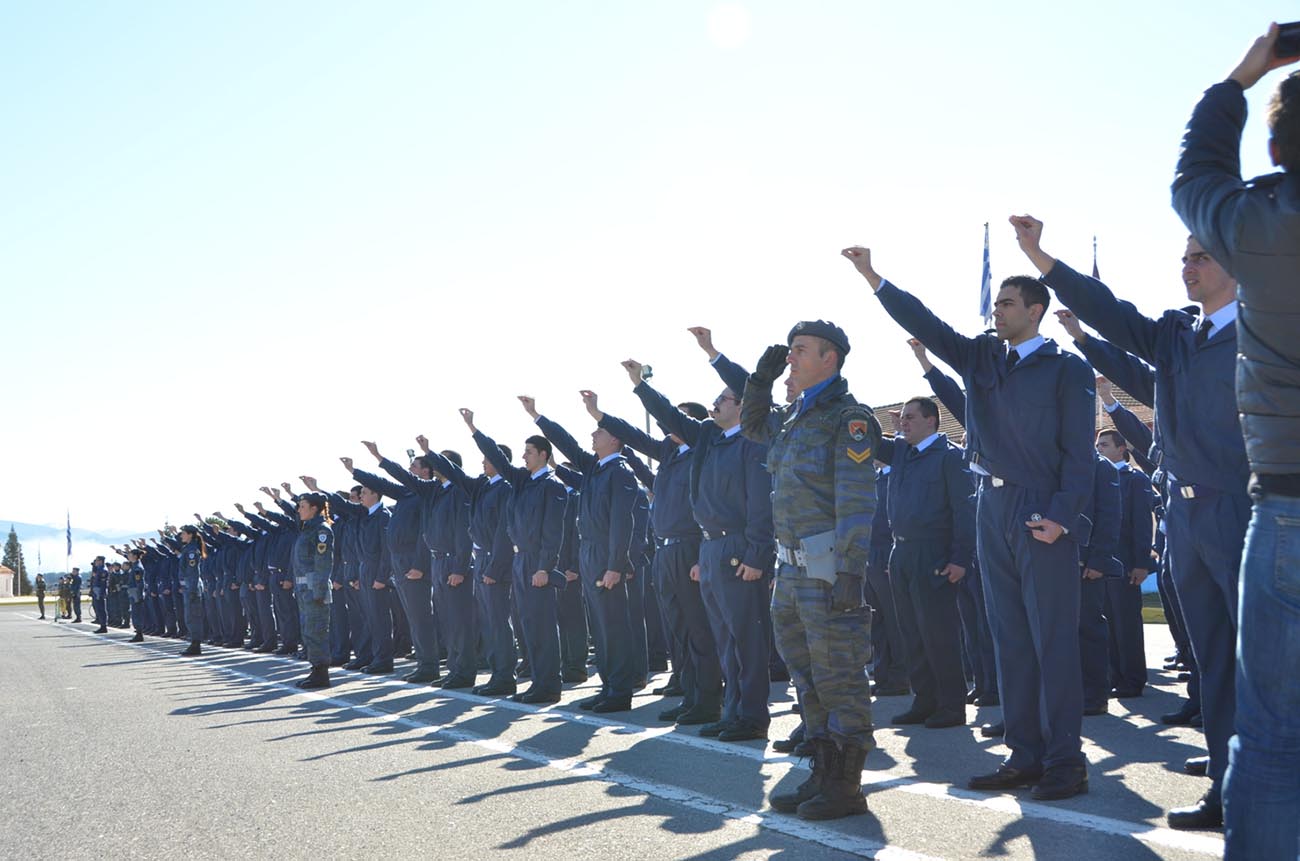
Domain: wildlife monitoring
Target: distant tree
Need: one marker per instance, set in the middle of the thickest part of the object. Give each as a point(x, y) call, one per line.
point(13, 559)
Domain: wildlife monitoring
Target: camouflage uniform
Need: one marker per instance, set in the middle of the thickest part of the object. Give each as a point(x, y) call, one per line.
point(313, 562)
point(823, 481)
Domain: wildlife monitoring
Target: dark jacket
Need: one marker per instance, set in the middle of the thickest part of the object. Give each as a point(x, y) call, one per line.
point(1253, 230)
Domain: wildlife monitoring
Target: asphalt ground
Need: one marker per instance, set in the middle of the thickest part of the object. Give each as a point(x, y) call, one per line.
point(131, 751)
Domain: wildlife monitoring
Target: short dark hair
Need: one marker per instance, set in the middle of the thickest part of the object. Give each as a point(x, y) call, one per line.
point(694, 410)
point(453, 456)
point(1284, 122)
point(540, 443)
point(929, 409)
point(356, 488)
point(423, 461)
point(1032, 291)
point(1116, 438)
point(823, 345)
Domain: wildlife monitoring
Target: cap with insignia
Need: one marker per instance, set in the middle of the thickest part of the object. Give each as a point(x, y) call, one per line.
point(821, 329)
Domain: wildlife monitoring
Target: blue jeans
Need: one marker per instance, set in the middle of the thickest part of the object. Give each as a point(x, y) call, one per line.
point(1261, 794)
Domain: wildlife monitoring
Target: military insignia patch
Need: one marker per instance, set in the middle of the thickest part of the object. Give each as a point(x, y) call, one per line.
point(859, 456)
point(322, 537)
point(858, 430)
point(322, 547)
point(193, 561)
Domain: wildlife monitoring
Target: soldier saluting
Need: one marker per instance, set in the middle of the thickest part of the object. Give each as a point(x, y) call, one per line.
point(823, 500)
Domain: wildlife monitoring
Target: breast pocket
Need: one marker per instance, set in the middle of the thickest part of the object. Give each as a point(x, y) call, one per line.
point(811, 452)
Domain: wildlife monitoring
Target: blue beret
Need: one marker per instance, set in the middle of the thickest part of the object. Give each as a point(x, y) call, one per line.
point(821, 329)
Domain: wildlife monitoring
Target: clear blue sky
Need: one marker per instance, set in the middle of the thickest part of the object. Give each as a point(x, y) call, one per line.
point(237, 238)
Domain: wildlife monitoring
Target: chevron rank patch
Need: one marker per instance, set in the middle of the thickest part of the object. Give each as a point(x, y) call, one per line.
point(859, 455)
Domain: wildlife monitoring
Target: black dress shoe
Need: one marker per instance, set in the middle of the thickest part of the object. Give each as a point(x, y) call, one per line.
point(1184, 676)
point(1061, 781)
point(355, 665)
point(101, 630)
point(659, 666)
point(538, 698)
point(911, 716)
point(1206, 813)
point(420, 677)
point(1093, 711)
point(993, 730)
point(378, 669)
point(988, 700)
point(138, 638)
point(573, 677)
point(1182, 717)
point(669, 691)
point(491, 690)
point(1197, 766)
point(1006, 777)
point(787, 745)
point(590, 702)
point(672, 714)
point(743, 730)
point(456, 683)
point(698, 716)
point(613, 704)
point(711, 730)
point(943, 720)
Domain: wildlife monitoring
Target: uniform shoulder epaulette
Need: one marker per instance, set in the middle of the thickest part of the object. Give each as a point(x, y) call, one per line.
point(1267, 180)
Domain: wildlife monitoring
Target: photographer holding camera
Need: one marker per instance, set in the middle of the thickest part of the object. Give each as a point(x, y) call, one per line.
point(1253, 230)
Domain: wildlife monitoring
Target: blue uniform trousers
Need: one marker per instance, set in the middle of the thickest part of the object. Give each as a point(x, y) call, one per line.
point(977, 638)
point(890, 670)
point(380, 607)
point(1206, 536)
point(235, 627)
point(456, 612)
point(741, 629)
point(340, 645)
point(263, 602)
point(99, 606)
point(286, 613)
point(636, 612)
point(611, 625)
point(539, 622)
point(1094, 656)
point(497, 634)
point(363, 647)
point(928, 621)
point(166, 616)
point(696, 657)
point(1032, 591)
point(572, 613)
point(214, 625)
point(1173, 612)
point(416, 597)
point(1128, 655)
point(655, 634)
point(139, 616)
point(1261, 794)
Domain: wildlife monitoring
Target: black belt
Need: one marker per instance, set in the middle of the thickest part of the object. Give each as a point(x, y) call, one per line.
point(669, 542)
point(1276, 484)
point(721, 533)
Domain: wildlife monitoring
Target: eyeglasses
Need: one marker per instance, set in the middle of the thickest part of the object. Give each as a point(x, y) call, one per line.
point(722, 399)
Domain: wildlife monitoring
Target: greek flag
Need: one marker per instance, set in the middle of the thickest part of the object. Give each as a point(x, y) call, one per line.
point(986, 282)
point(1095, 273)
point(69, 514)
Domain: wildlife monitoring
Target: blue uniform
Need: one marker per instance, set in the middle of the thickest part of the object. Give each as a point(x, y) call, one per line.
point(572, 610)
point(694, 655)
point(1031, 427)
point(99, 593)
point(890, 668)
point(375, 579)
point(1199, 433)
point(535, 518)
point(349, 516)
point(933, 521)
point(313, 562)
point(1128, 665)
point(1098, 546)
point(407, 552)
point(191, 558)
point(731, 497)
point(605, 526)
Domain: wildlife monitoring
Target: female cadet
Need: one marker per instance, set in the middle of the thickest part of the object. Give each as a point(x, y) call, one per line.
point(192, 554)
point(313, 561)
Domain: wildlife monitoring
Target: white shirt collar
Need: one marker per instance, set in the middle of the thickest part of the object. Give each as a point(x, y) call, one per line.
point(607, 458)
point(378, 505)
point(493, 479)
point(446, 484)
point(730, 432)
point(544, 471)
point(1119, 465)
point(1220, 318)
point(925, 443)
point(1027, 347)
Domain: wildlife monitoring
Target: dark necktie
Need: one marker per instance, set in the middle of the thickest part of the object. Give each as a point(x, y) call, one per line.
point(1203, 331)
point(1012, 358)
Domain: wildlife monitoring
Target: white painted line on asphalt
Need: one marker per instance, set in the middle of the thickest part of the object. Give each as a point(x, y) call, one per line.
point(896, 778)
point(786, 825)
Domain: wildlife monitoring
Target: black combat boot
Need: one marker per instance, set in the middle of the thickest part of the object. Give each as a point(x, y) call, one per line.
point(841, 793)
point(196, 648)
point(788, 802)
point(319, 678)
